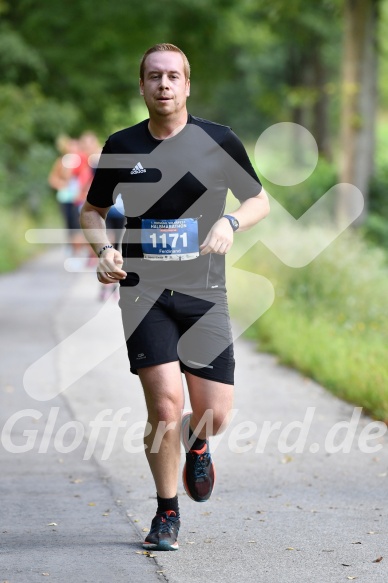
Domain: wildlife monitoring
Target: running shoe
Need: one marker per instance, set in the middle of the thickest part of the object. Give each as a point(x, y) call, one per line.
point(164, 532)
point(199, 473)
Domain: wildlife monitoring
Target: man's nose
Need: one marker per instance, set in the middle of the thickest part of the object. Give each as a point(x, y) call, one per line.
point(164, 81)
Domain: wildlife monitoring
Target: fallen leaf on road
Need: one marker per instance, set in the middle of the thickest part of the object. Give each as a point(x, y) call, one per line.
point(345, 565)
point(190, 542)
point(357, 543)
point(46, 574)
point(105, 514)
point(145, 529)
point(377, 560)
point(52, 524)
point(351, 577)
point(287, 459)
point(371, 532)
point(290, 549)
point(251, 541)
point(76, 481)
point(91, 504)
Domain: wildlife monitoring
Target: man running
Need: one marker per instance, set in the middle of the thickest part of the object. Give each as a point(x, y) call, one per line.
point(173, 171)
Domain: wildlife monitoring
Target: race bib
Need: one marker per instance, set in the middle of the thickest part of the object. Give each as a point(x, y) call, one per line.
point(169, 239)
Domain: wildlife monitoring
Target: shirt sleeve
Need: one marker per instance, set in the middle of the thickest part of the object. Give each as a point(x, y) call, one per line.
point(242, 181)
point(104, 182)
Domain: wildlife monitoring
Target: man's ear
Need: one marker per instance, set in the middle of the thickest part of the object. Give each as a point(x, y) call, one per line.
point(187, 87)
point(141, 87)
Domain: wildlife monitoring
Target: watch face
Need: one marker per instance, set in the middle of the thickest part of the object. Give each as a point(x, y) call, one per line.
point(235, 224)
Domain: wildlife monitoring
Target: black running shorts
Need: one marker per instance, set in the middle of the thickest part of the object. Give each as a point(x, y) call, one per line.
point(169, 326)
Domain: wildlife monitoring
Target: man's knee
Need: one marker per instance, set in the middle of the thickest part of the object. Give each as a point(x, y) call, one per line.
point(165, 409)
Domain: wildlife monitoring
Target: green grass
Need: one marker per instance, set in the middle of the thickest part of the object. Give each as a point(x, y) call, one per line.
point(330, 318)
point(350, 364)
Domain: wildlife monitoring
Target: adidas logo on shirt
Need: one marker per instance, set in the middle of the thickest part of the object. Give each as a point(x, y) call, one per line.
point(138, 169)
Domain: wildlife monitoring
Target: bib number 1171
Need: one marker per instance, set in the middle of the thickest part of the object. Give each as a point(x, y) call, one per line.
point(172, 239)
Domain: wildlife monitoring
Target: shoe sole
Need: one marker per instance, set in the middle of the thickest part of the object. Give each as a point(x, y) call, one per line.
point(162, 546)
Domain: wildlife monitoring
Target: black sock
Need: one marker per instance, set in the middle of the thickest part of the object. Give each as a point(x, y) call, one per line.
point(165, 504)
point(198, 443)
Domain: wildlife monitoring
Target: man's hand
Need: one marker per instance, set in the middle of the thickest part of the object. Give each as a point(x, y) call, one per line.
point(219, 239)
point(109, 267)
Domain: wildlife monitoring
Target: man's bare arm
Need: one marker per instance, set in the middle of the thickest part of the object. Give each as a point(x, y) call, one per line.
point(250, 212)
point(93, 223)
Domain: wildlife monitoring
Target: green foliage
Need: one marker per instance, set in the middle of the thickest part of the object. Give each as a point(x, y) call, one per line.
point(240, 53)
point(375, 227)
point(19, 62)
point(383, 54)
point(29, 124)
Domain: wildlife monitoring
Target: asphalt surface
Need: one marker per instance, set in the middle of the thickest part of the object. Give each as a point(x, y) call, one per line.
point(76, 499)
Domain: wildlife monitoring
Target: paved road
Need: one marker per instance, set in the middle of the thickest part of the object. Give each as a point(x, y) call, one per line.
point(75, 510)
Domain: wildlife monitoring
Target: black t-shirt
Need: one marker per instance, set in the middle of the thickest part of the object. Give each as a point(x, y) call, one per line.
point(186, 176)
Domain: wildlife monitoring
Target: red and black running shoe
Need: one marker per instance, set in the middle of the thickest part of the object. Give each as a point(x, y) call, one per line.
point(163, 533)
point(199, 473)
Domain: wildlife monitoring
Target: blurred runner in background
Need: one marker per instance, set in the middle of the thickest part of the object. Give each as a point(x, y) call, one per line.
point(64, 180)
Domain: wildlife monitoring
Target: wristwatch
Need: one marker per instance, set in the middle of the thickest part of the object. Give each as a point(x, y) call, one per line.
point(233, 222)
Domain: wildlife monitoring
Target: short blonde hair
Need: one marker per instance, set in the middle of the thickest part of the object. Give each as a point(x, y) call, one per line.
point(165, 47)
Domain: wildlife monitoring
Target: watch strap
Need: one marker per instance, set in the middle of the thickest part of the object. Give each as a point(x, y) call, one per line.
point(233, 221)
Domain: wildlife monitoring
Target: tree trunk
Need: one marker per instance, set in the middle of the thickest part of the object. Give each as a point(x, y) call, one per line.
point(320, 122)
point(298, 69)
point(359, 97)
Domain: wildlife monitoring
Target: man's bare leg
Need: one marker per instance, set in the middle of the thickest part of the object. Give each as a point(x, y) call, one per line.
point(163, 391)
point(164, 397)
point(211, 403)
point(206, 395)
